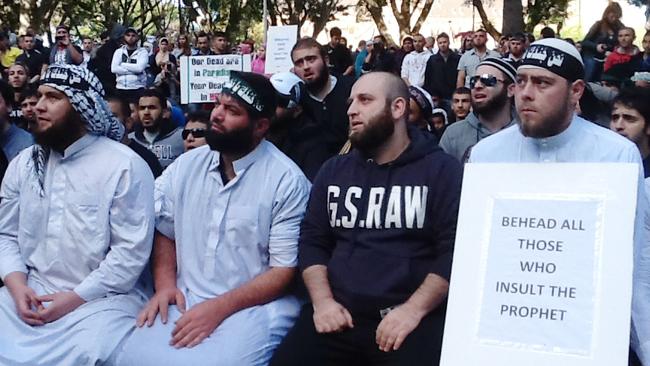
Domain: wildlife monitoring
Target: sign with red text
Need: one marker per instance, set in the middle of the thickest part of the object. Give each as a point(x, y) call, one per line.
point(543, 256)
point(203, 77)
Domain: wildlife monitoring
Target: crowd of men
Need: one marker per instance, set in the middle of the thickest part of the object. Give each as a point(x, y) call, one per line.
point(305, 218)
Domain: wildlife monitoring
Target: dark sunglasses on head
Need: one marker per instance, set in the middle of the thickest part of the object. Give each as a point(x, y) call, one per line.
point(486, 79)
point(196, 132)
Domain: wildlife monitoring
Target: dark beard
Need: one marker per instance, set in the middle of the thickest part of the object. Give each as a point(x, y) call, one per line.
point(235, 142)
point(319, 83)
point(549, 126)
point(378, 129)
point(493, 105)
point(61, 135)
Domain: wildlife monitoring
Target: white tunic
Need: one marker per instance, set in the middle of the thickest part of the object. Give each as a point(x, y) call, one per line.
point(225, 236)
point(587, 142)
point(91, 233)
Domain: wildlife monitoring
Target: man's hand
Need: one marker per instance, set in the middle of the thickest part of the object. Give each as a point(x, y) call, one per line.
point(159, 303)
point(199, 322)
point(27, 304)
point(330, 316)
point(62, 303)
point(396, 326)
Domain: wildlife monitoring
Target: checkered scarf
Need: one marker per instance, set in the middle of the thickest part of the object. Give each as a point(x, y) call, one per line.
point(86, 95)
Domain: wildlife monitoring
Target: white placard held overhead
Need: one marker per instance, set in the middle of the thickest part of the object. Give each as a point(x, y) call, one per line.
point(279, 41)
point(542, 271)
point(202, 77)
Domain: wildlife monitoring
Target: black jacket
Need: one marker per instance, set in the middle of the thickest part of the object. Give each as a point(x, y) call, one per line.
point(440, 75)
point(381, 229)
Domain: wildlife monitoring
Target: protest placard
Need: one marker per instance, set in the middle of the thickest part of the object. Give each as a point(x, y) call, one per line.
point(279, 41)
point(202, 77)
point(542, 271)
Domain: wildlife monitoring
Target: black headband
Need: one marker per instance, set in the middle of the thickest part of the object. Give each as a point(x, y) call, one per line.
point(241, 90)
point(555, 60)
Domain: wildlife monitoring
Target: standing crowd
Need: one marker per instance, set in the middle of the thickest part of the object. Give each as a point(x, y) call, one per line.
point(305, 217)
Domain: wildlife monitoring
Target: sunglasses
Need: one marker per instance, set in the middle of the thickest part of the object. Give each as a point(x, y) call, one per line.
point(486, 79)
point(196, 132)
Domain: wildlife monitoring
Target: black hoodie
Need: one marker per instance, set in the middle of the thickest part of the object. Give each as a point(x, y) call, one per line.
point(381, 229)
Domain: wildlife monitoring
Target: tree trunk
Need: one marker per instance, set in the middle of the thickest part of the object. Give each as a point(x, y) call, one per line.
point(513, 17)
point(426, 9)
point(489, 27)
point(375, 9)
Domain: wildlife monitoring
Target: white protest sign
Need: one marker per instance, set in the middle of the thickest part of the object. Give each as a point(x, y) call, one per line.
point(202, 77)
point(542, 271)
point(279, 41)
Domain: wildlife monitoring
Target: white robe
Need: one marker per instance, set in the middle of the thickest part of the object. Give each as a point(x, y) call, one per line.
point(91, 233)
point(225, 236)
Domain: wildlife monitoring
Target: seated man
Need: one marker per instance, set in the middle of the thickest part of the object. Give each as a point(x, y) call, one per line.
point(228, 220)
point(377, 241)
point(76, 226)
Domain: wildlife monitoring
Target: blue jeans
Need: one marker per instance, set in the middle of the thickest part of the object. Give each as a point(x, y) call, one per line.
point(593, 68)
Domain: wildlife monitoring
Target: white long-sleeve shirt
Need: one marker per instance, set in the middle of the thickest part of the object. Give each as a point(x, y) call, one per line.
point(91, 232)
point(226, 234)
point(130, 71)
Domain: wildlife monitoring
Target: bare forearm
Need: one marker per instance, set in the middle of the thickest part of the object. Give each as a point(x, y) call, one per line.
point(460, 81)
point(429, 295)
point(317, 284)
point(14, 279)
point(262, 289)
point(163, 261)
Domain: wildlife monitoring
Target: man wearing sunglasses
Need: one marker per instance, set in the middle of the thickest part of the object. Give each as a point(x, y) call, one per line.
point(550, 83)
point(491, 93)
point(195, 130)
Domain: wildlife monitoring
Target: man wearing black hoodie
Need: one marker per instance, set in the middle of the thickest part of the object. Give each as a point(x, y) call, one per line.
point(377, 240)
point(156, 131)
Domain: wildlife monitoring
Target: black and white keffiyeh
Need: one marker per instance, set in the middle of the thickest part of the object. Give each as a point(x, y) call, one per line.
point(86, 95)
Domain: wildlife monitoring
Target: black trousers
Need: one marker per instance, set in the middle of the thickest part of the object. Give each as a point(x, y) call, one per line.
point(357, 346)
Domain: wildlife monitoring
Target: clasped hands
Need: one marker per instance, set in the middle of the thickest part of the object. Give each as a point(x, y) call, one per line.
point(30, 306)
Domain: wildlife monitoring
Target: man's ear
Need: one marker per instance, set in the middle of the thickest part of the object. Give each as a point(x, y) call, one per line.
point(576, 89)
point(511, 90)
point(399, 108)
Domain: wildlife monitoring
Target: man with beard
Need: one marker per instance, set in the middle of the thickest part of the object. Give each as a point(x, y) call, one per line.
point(228, 217)
point(469, 60)
point(128, 64)
point(549, 131)
point(491, 92)
point(76, 226)
point(377, 240)
point(156, 131)
point(292, 131)
point(325, 100)
point(122, 112)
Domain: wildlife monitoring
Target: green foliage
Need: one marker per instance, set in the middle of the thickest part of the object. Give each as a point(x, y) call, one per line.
point(545, 12)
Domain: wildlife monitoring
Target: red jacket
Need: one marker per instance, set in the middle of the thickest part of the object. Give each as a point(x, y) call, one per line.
point(619, 56)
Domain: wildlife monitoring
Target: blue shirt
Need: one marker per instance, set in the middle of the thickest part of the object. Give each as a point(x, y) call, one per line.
point(14, 141)
point(228, 233)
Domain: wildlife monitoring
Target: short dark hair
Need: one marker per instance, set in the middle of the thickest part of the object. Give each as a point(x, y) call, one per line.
point(462, 90)
point(547, 32)
point(518, 36)
point(335, 31)
point(123, 103)
point(220, 34)
point(7, 92)
point(154, 93)
point(309, 43)
point(29, 91)
point(636, 98)
point(531, 37)
point(480, 30)
point(443, 35)
point(199, 116)
point(202, 34)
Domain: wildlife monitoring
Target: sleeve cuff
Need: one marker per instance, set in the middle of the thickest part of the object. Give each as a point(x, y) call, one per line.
point(7, 268)
point(88, 292)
